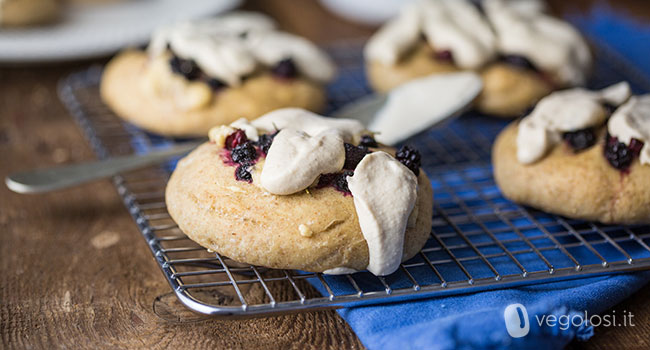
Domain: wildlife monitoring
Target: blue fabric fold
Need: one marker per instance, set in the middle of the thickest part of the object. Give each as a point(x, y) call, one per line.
point(476, 321)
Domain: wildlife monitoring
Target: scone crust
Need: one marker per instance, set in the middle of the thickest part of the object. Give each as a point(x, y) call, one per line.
point(582, 186)
point(249, 225)
point(419, 62)
point(121, 88)
point(18, 13)
point(507, 91)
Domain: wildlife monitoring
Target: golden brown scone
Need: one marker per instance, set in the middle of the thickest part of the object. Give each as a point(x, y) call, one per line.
point(124, 89)
point(18, 13)
point(247, 224)
point(582, 186)
point(420, 62)
point(509, 91)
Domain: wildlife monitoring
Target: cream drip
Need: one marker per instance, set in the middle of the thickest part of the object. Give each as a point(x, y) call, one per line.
point(564, 111)
point(384, 193)
point(632, 120)
point(339, 271)
point(550, 43)
point(451, 25)
point(232, 46)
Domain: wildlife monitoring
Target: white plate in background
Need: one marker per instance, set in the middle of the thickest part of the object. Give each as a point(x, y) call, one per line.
point(373, 12)
point(95, 30)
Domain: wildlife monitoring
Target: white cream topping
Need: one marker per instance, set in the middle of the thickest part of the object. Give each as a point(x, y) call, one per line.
point(339, 271)
point(231, 46)
point(550, 43)
point(452, 25)
point(416, 105)
point(244, 124)
point(296, 159)
point(384, 192)
point(308, 122)
point(517, 27)
point(564, 111)
point(270, 47)
point(632, 120)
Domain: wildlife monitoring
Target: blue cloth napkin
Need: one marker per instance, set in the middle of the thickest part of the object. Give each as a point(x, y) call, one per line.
point(476, 321)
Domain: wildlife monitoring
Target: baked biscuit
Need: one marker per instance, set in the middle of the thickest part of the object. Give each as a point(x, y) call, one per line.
point(211, 72)
point(19, 13)
point(316, 229)
point(125, 92)
point(604, 181)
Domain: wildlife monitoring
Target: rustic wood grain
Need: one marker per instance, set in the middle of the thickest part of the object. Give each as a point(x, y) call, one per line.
point(77, 274)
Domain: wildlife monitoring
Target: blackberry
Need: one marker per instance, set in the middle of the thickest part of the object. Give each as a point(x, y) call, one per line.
point(341, 182)
point(235, 139)
point(410, 157)
point(519, 61)
point(242, 173)
point(444, 55)
point(353, 155)
point(581, 139)
point(337, 180)
point(216, 84)
point(618, 154)
point(264, 142)
point(187, 68)
point(244, 153)
point(368, 141)
point(285, 69)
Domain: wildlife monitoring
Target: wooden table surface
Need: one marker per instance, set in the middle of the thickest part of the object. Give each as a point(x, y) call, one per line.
point(76, 272)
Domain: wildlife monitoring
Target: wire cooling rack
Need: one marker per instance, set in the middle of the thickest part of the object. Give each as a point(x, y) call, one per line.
point(479, 240)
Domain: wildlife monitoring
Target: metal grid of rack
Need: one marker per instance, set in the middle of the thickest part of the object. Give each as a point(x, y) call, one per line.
point(479, 240)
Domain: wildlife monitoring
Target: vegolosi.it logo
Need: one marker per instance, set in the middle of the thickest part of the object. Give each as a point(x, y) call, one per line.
point(516, 318)
point(518, 323)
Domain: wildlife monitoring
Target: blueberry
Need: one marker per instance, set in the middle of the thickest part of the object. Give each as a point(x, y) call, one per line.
point(519, 61)
point(216, 84)
point(368, 141)
point(242, 173)
point(353, 155)
point(618, 154)
point(264, 142)
point(410, 157)
point(337, 180)
point(444, 55)
point(285, 69)
point(244, 153)
point(341, 182)
point(581, 139)
point(187, 68)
